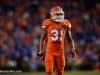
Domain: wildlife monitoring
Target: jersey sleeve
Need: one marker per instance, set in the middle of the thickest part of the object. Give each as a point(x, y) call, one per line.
point(45, 24)
point(67, 23)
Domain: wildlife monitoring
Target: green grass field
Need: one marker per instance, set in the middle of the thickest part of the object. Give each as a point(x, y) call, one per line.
point(65, 73)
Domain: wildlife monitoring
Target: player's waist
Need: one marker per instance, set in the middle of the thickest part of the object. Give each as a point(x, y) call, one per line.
point(55, 43)
point(52, 47)
point(53, 51)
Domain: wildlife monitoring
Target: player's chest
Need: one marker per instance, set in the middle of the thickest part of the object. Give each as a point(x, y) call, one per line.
point(56, 29)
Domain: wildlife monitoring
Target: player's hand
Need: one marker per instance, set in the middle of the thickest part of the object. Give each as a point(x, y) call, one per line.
point(41, 55)
point(74, 55)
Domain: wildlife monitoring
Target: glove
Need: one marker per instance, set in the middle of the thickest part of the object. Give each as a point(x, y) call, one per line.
point(74, 54)
point(41, 55)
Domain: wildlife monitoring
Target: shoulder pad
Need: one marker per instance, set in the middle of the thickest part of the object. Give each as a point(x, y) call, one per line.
point(45, 23)
point(67, 23)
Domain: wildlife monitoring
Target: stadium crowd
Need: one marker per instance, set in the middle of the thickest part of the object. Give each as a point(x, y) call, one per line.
point(20, 30)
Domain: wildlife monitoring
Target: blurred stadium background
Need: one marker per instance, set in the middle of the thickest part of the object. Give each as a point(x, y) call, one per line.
point(20, 29)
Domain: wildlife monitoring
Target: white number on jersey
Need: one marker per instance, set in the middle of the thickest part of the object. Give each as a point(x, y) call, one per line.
point(55, 34)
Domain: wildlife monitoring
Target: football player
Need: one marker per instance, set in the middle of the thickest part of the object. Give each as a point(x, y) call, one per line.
point(54, 33)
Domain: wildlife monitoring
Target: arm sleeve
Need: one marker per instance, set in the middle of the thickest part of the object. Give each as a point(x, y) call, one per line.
point(67, 23)
point(45, 24)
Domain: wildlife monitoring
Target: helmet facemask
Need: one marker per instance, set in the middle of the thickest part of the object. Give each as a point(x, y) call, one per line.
point(57, 16)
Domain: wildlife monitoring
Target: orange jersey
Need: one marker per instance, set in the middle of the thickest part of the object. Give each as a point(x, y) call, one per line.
point(55, 34)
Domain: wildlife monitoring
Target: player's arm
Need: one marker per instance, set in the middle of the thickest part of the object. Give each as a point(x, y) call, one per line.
point(42, 42)
point(70, 39)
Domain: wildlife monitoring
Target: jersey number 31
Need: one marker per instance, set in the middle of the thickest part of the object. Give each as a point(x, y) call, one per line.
point(57, 34)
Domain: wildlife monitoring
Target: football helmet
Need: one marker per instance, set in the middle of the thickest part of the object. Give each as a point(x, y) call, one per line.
point(57, 14)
